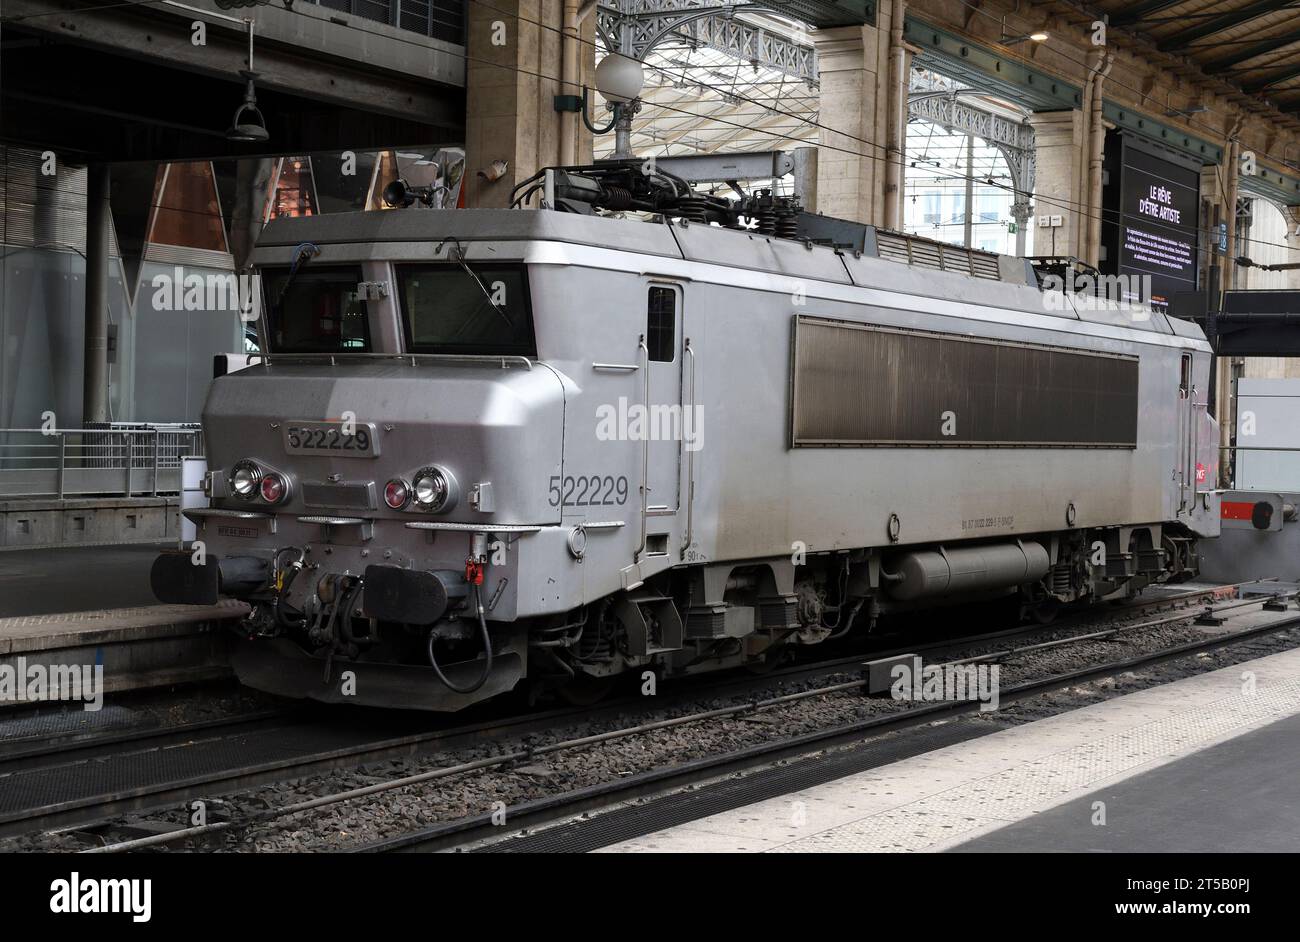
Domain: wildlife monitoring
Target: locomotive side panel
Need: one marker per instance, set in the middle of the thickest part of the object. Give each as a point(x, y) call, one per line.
point(938, 493)
point(756, 496)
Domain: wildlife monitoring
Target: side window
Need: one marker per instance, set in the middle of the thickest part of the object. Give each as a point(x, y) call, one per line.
point(1185, 377)
point(661, 321)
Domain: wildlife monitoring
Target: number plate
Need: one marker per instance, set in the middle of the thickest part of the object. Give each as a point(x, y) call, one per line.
point(327, 438)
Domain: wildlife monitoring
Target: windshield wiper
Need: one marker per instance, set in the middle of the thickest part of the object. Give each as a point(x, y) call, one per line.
point(458, 254)
point(303, 254)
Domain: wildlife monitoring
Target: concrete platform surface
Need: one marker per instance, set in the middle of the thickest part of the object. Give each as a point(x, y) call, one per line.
point(24, 633)
point(132, 648)
point(997, 784)
point(1239, 797)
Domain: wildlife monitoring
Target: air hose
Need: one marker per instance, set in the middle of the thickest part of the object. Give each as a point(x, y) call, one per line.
point(282, 584)
point(487, 648)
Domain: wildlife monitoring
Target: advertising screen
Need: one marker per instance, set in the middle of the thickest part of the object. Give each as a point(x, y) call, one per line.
point(1158, 205)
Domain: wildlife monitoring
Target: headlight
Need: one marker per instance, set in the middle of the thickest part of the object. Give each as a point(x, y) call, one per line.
point(433, 489)
point(245, 477)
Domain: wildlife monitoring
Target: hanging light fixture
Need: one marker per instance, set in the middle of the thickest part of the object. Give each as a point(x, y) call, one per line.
point(248, 126)
point(1038, 36)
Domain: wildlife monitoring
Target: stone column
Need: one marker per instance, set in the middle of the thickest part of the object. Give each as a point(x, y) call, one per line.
point(853, 65)
point(1059, 155)
point(512, 76)
point(1292, 215)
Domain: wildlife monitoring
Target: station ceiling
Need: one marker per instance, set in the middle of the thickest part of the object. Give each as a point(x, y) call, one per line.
point(120, 82)
point(1254, 44)
point(824, 13)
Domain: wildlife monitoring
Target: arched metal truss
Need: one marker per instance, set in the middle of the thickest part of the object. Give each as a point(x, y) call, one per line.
point(1013, 139)
point(635, 27)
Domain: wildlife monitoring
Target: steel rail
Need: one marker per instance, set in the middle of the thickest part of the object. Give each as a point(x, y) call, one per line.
point(68, 745)
point(739, 709)
point(154, 793)
point(527, 815)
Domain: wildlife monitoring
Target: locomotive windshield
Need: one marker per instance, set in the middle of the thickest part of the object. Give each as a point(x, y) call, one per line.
point(315, 310)
point(447, 309)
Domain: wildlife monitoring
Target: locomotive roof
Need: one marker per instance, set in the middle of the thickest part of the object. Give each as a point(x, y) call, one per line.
point(894, 260)
point(498, 225)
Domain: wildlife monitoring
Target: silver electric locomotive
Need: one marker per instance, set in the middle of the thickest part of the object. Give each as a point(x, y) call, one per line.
point(641, 429)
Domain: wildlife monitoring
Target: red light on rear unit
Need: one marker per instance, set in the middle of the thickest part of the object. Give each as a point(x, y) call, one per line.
point(273, 488)
point(396, 494)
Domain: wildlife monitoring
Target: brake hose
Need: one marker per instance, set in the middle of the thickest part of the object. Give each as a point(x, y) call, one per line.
point(487, 647)
point(283, 588)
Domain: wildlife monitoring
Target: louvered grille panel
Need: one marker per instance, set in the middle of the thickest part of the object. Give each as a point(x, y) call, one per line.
point(862, 385)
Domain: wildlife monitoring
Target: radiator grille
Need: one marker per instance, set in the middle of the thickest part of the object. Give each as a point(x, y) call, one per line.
point(355, 496)
point(926, 253)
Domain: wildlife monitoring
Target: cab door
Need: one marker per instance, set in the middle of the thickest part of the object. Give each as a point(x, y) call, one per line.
point(1185, 469)
point(665, 419)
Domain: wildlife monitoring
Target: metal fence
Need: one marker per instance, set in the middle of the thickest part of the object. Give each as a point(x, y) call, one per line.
point(117, 459)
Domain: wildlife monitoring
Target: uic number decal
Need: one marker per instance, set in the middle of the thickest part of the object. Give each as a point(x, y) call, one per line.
point(584, 491)
point(332, 438)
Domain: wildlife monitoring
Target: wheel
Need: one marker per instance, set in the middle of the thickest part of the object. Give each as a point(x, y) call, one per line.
point(1045, 611)
point(584, 690)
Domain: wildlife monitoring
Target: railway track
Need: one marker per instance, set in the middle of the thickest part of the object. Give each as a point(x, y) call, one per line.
point(466, 830)
point(86, 782)
point(483, 833)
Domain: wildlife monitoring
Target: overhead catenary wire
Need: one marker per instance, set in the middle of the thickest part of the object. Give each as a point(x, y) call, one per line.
point(975, 7)
point(1071, 205)
point(1077, 207)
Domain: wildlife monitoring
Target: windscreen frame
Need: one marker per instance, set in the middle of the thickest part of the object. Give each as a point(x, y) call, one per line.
point(270, 318)
point(484, 271)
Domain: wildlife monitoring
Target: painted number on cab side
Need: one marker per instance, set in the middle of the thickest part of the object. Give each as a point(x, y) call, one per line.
point(588, 491)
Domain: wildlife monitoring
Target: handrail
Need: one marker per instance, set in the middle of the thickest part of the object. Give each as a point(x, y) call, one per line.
point(1228, 455)
point(454, 359)
point(177, 429)
point(645, 453)
point(690, 453)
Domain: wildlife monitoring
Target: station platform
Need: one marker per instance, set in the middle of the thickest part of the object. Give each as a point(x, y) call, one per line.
point(38, 581)
point(138, 648)
point(28, 523)
point(92, 606)
point(1200, 764)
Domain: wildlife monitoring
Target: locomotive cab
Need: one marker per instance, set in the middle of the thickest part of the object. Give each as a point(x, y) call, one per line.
point(397, 407)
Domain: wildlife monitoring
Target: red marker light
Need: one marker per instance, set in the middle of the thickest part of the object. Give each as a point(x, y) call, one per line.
point(273, 488)
point(396, 494)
